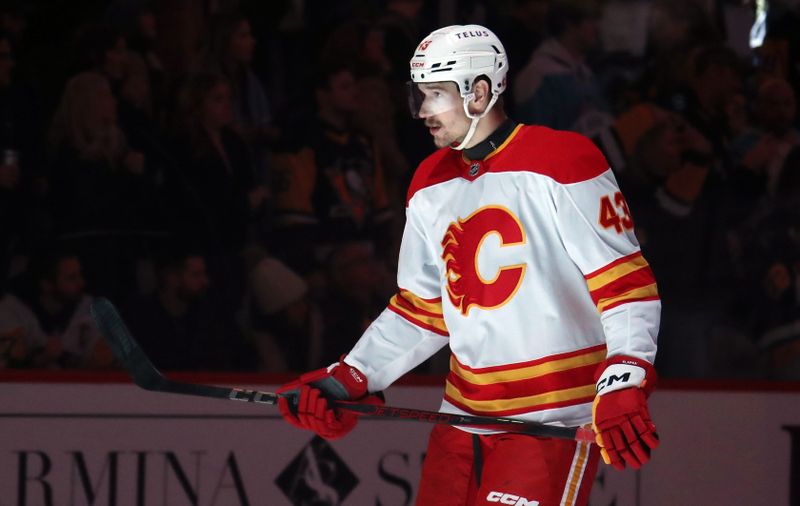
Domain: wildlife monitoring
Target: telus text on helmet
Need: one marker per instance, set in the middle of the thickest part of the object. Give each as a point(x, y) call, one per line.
point(466, 35)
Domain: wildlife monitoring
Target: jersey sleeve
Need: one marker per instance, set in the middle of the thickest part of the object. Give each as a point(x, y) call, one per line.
point(412, 327)
point(597, 231)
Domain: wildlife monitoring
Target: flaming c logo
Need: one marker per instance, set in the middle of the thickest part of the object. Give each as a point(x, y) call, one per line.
point(463, 241)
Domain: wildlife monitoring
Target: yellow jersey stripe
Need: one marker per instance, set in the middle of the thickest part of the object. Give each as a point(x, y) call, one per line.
point(530, 401)
point(615, 273)
point(637, 293)
point(435, 322)
point(525, 373)
point(431, 307)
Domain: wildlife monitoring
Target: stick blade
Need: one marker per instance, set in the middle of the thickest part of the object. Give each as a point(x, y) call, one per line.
point(124, 346)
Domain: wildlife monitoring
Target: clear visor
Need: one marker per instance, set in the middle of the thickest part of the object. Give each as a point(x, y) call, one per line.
point(430, 99)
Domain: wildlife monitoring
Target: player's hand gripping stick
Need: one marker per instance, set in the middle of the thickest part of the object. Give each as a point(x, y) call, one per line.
point(304, 402)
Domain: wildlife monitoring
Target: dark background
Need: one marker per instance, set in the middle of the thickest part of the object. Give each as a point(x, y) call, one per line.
point(233, 174)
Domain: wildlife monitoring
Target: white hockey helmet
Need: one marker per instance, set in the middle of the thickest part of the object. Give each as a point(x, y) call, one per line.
point(460, 54)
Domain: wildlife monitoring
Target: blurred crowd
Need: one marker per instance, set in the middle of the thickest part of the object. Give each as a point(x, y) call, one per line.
point(232, 174)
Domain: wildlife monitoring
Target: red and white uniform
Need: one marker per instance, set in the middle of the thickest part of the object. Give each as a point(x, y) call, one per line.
point(526, 264)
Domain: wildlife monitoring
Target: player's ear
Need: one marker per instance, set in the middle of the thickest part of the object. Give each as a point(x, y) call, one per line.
point(483, 95)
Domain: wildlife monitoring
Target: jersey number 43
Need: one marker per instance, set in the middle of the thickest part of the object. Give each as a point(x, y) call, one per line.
point(614, 213)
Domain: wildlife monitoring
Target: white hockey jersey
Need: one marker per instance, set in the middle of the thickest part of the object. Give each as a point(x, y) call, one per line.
point(526, 264)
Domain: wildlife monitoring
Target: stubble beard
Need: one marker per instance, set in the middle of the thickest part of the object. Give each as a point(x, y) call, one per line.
point(441, 141)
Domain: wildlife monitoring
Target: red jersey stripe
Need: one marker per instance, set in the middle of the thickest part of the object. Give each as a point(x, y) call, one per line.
point(636, 279)
point(427, 325)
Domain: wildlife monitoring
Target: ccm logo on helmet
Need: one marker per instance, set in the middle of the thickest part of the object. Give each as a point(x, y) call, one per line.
point(513, 500)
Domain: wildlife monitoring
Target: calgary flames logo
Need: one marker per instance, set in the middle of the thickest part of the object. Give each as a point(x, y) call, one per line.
point(463, 241)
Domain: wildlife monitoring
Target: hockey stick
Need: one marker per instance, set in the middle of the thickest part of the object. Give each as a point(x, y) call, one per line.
point(145, 375)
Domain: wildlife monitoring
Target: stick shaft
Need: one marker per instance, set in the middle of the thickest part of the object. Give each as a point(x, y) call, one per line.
point(392, 412)
point(147, 376)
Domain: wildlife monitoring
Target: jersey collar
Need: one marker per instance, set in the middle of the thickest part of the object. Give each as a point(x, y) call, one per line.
point(492, 142)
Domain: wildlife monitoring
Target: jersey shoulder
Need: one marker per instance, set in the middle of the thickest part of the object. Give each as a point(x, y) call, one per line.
point(566, 157)
point(438, 167)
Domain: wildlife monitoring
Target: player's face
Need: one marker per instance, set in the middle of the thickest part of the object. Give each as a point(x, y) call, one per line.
point(443, 113)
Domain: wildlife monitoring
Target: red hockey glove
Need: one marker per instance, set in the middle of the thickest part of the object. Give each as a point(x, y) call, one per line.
point(620, 418)
point(304, 402)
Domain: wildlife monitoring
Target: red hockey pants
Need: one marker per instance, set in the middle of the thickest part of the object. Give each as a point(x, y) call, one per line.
point(463, 469)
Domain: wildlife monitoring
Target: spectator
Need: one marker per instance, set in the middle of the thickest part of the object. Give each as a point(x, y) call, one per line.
point(522, 30)
point(181, 28)
point(89, 157)
point(779, 52)
point(22, 182)
point(712, 104)
point(557, 88)
point(22, 344)
point(180, 327)
point(15, 21)
point(675, 28)
point(215, 185)
point(762, 150)
point(212, 192)
point(356, 289)
point(138, 22)
point(771, 265)
point(103, 49)
point(138, 119)
point(671, 162)
point(402, 24)
point(363, 45)
point(714, 85)
point(294, 221)
point(669, 180)
point(284, 326)
point(20, 121)
point(230, 52)
point(350, 197)
point(47, 318)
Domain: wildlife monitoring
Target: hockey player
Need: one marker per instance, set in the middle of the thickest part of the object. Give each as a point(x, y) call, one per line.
point(519, 252)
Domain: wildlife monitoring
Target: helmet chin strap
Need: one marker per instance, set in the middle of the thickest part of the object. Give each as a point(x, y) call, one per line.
point(469, 97)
